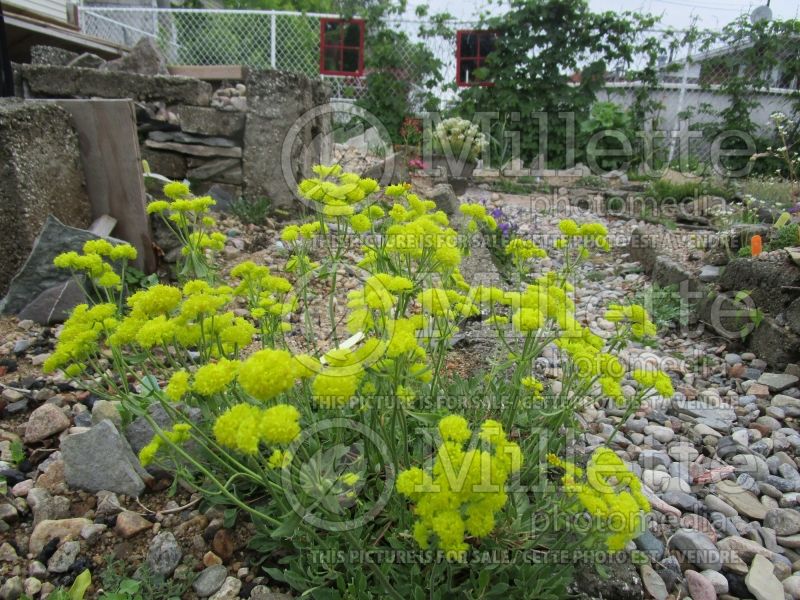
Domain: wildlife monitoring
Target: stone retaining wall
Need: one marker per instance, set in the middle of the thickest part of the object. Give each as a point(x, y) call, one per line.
point(227, 141)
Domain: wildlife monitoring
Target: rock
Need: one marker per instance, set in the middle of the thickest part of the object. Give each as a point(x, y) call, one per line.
point(105, 409)
point(130, 523)
point(699, 587)
point(61, 82)
point(789, 541)
point(743, 501)
point(40, 279)
point(653, 583)
point(210, 121)
point(40, 179)
point(697, 549)
point(139, 432)
point(54, 304)
point(44, 422)
point(717, 580)
point(12, 589)
point(445, 198)
point(650, 545)
point(222, 544)
point(662, 434)
point(791, 586)
point(164, 554)
point(761, 581)
point(683, 452)
point(50, 530)
point(64, 557)
point(195, 149)
point(32, 587)
point(785, 521)
point(744, 548)
point(777, 382)
point(8, 513)
point(144, 58)
point(229, 589)
point(7, 553)
point(107, 504)
point(101, 459)
point(709, 273)
point(698, 523)
point(51, 55)
point(209, 580)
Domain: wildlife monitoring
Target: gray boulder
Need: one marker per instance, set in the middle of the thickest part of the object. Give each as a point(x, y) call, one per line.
point(101, 459)
point(144, 58)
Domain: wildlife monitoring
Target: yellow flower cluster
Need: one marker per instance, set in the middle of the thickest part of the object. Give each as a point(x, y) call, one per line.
point(465, 489)
point(521, 251)
point(595, 232)
point(658, 380)
point(448, 303)
point(270, 297)
point(92, 262)
point(477, 214)
point(178, 435)
point(80, 337)
point(634, 314)
point(609, 492)
point(337, 191)
point(267, 373)
point(213, 378)
point(243, 427)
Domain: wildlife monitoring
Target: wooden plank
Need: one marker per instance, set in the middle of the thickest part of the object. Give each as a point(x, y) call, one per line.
point(112, 166)
point(209, 72)
point(103, 225)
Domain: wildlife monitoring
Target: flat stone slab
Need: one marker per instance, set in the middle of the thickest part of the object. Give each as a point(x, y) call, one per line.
point(39, 274)
point(59, 82)
point(777, 382)
point(186, 138)
point(194, 149)
point(743, 501)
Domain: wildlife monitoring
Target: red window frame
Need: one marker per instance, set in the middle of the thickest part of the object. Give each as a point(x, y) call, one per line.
point(326, 44)
point(477, 59)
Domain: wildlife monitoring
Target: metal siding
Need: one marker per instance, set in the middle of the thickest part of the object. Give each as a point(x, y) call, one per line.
point(54, 9)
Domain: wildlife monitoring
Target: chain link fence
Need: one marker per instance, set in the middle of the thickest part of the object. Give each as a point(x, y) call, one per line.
point(277, 39)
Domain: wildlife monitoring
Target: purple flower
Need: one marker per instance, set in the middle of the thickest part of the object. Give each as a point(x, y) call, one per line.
point(795, 209)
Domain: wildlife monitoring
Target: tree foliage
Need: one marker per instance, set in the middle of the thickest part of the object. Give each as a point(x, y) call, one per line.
point(552, 57)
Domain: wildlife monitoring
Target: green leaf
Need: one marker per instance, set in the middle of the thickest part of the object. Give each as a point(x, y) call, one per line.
point(782, 220)
point(80, 585)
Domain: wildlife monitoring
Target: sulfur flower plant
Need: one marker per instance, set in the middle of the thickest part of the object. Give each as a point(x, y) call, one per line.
point(361, 438)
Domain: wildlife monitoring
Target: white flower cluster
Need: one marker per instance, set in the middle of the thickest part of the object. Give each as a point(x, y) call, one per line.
point(454, 135)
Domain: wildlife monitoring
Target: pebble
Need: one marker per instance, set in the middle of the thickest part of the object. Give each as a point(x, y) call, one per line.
point(209, 580)
point(64, 557)
point(761, 581)
point(717, 580)
point(699, 587)
point(44, 422)
point(229, 589)
point(653, 583)
point(164, 554)
point(130, 523)
point(697, 548)
point(784, 521)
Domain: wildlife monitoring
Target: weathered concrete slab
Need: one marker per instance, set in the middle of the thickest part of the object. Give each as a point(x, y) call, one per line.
point(279, 105)
point(63, 82)
point(40, 174)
